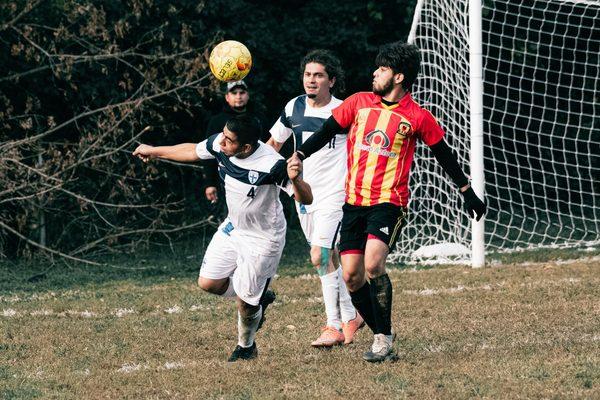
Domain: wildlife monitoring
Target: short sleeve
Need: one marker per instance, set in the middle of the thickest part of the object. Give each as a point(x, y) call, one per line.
point(281, 130)
point(205, 150)
point(430, 131)
point(344, 113)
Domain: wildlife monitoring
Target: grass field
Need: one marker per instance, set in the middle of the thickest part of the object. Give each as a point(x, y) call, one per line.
point(147, 332)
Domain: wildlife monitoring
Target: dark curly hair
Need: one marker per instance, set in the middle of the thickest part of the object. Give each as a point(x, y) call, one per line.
point(332, 65)
point(402, 58)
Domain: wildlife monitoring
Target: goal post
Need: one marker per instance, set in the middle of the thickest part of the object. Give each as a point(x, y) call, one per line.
point(476, 128)
point(516, 86)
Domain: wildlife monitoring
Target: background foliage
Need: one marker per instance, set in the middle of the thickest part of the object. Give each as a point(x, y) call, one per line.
point(84, 82)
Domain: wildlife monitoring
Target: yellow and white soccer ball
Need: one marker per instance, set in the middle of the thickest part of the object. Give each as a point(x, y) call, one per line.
point(230, 61)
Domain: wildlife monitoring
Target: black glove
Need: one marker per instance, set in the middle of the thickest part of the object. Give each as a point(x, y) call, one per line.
point(473, 204)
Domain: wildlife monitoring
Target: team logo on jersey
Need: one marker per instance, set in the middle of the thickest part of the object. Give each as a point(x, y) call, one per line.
point(377, 142)
point(377, 138)
point(404, 129)
point(252, 177)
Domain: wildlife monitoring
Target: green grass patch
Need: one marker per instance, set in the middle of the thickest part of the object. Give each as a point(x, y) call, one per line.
point(143, 329)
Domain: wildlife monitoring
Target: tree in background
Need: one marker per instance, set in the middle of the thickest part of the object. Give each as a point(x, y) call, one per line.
point(84, 81)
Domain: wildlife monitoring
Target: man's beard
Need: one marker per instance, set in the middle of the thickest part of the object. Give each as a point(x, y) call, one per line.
point(312, 96)
point(385, 90)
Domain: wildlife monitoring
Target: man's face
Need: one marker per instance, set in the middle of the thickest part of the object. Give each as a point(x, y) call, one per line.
point(316, 81)
point(383, 80)
point(229, 143)
point(237, 98)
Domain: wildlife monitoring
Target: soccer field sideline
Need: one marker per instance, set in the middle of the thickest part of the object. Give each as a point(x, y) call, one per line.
point(120, 312)
point(176, 309)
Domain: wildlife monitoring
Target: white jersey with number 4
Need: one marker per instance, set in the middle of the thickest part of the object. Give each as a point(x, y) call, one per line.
point(325, 170)
point(255, 212)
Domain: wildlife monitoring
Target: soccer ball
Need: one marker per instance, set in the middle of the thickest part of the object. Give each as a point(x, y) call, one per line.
point(230, 61)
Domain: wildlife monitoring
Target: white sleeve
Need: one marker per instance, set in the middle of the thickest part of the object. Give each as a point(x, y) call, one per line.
point(202, 150)
point(282, 129)
point(280, 132)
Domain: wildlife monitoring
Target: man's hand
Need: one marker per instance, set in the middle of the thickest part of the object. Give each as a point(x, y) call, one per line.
point(294, 167)
point(211, 194)
point(472, 204)
point(144, 152)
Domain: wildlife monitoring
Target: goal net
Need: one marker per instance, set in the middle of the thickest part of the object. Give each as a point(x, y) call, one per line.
point(541, 112)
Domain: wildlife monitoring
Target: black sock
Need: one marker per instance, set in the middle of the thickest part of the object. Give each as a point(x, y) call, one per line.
point(381, 299)
point(361, 299)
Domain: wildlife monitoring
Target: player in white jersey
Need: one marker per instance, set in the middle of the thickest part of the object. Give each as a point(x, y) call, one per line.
point(325, 172)
point(244, 253)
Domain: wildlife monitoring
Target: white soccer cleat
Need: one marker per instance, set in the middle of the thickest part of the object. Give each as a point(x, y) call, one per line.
point(382, 349)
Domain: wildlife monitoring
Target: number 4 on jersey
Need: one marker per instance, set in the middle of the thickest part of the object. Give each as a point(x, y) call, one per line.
point(252, 192)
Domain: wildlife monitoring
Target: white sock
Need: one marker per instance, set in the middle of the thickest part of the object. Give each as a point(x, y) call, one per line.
point(247, 328)
point(329, 284)
point(230, 292)
point(346, 307)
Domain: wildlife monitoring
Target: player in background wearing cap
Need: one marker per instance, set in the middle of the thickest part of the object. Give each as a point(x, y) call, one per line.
point(244, 253)
point(237, 98)
point(324, 172)
point(383, 127)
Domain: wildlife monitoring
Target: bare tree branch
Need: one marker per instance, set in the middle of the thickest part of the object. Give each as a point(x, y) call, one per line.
point(90, 245)
point(28, 7)
point(46, 249)
point(136, 103)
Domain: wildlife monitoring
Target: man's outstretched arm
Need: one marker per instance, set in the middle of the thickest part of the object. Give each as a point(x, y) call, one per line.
point(185, 152)
point(320, 138)
point(472, 204)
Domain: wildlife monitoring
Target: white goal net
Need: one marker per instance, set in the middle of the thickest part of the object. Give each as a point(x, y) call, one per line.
point(541, 111)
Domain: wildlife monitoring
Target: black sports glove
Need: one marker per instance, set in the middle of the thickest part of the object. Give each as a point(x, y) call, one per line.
point(473, 204)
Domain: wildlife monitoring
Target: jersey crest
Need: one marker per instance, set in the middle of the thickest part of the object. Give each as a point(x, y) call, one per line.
point(252, 177)
point(404, 129)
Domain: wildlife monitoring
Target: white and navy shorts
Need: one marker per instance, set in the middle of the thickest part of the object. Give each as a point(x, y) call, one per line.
point(230, 256)
point(321, 227)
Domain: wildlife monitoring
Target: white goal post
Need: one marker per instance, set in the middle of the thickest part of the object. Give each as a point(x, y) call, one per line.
point(516, 86)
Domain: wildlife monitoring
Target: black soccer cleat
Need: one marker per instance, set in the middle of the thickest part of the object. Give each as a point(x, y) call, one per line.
point(243, 353)
point(267, 298)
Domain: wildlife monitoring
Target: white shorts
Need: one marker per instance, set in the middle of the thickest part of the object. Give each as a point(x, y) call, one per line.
point(321, 227)
point(232, 257)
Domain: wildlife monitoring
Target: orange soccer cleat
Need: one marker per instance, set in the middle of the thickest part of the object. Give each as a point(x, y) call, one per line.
point(329, 337)
point(349, 328)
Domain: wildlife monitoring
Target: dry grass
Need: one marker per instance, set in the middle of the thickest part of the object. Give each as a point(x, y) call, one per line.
point(510, 332)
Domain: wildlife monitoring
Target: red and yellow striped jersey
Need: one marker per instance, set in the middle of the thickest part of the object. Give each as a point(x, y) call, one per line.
point(381, 145)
